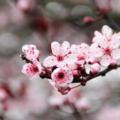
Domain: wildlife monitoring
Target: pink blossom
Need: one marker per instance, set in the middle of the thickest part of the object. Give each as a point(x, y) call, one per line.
point(32, 69)
point(31, 52)
point(79, 53)
point(62, 76)
point(109, 44)
point(105, 34)
point(60, 54)
point(94, 53)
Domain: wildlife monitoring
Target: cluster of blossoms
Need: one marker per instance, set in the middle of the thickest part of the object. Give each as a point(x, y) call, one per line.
point(75, 63)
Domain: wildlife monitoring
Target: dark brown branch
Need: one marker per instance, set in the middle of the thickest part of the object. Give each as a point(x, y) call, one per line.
point(84, 79)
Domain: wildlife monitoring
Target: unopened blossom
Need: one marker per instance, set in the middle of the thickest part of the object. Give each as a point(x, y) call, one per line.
point(30, 52)
point(60, 54)
point(92, 68)
point(32, 69)
point(62, 76)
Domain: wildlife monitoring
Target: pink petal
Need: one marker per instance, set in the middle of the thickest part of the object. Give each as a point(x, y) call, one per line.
point(98, 37)
point(65, 47)
point(95, 68)
point(27, 47)
point(74, 49)
point(107, 31)
point(96, 51)
point(84, 46)
point(87, 68)
point(116, 54)
point(105, 60)
point(50, 61)
point(115, 41)
point(55, 46)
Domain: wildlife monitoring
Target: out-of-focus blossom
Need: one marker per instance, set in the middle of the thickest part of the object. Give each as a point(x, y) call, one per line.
point(26, 5)
point(3, 94)
point(82, 104)
point(104, 6)
point(105, 113)
point(108, 5)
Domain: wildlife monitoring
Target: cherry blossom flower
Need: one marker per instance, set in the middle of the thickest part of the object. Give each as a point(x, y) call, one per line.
point(31, 52)
point(32, 69)
point(79, 53)
point(109, 44)
point(105, 34)
point(62, 76)
point(60, 54)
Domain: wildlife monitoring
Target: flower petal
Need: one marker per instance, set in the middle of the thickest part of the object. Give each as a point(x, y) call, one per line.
point(115, 41)
point(55, 46)
point(65, 47)
point(107, 31)
point(50, 61)
point(98, 38)
point(116, 54)
point(105, 61)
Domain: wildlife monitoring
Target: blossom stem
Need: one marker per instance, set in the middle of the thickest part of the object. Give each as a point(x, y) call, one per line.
point(76, 86)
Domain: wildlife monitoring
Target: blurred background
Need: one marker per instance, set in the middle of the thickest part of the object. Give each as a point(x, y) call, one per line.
point(40, 22)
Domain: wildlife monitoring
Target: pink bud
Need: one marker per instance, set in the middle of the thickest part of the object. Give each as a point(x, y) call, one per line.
point(88, 19)
point(95, 68)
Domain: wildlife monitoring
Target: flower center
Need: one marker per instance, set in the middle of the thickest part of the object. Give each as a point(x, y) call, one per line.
point(61, 75)
point(35, 69)
point(60, 58)
point(107, 51)
point(80, 58)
